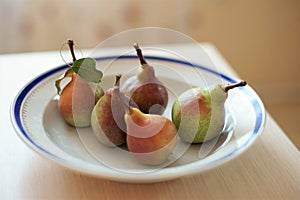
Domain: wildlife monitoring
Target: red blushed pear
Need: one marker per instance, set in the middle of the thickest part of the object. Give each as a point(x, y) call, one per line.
point(145, 89)
point(77, 98)
point(76, 102)
point(150, 138)
point(107, 118)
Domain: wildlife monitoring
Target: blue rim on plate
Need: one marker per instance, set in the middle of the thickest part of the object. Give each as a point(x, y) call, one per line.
point(257, 104)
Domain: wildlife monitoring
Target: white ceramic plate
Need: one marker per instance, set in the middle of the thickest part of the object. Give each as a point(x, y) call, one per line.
point(38, 123)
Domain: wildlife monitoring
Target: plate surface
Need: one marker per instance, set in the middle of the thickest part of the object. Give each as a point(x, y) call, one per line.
point(38, 123)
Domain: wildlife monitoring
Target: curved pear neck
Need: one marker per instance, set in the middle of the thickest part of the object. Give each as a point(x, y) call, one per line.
point(218, 94)
point(138, 117)
point(146, 73)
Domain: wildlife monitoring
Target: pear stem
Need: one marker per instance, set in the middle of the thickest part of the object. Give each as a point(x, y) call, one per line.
point(140, 54)
point(71, 46)
point(229, 87)
point(117, 92)
point(117, 81)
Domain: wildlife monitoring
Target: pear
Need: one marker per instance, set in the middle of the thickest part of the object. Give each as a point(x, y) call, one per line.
point(77, 98)
point(145, 89)
point(107, 119)
point(199, 113)
point(151, 138)
point(76, 102)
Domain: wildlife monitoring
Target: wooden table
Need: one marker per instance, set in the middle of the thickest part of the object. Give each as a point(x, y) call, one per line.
point(269, 169)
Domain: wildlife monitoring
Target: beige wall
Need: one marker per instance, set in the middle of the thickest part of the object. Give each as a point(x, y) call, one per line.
point(259, 38)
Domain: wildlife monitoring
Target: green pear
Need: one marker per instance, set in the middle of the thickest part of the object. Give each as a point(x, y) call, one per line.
point(199, 113)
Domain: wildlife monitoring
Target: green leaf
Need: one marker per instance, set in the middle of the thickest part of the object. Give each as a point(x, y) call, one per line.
point(68, 73)
point(86, 69)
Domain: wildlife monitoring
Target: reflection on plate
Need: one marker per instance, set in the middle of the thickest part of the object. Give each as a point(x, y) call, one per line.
point(38, 123)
